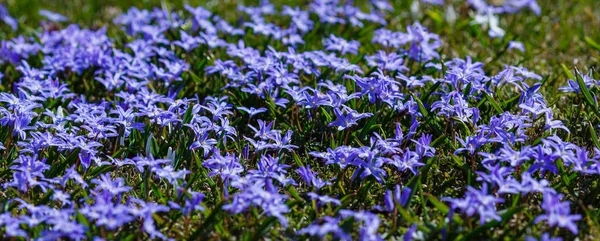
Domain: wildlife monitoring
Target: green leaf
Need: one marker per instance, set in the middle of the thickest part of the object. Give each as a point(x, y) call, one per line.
point(425, 97)
point(211, 220)
point(422, 109)
point(467, 89)
point(187, 117)
point(84, 221)
point(437, 204)
point(297, 159)
point(564, 177)
point(567, 71)
point(292, 190)
point(195, 77)
point(594, 135)
point(494, 103)
point(328, 117)
point(436, 16)
point(156, 191)
point(68, 161)
point(345, 201)
point(591, 43)
point(264, 228)
point(416, 179)
point(586, 94)
point(510, 103)
point(438, 141)
point(409, 218)
point(368, 128)
point(99, 170)
point(440, 206)
point(118, 152)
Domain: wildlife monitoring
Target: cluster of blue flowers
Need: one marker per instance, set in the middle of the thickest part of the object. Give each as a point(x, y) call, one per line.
point(103, 135)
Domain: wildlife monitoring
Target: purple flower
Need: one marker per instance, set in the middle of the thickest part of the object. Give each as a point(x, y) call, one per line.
point(424, 44)
point(114, 187)
point(407, 161)
point(7, 19)
point(225, 130)
point(323, 9)
point(477, 201)
point(324, 199)
point(283, 142)
point(106, 213)
point(573, 86)
point(515, 157)
point(558, 213)
point(192, 202)
point(269, 168)
point(168, 173)
point(259, 144)
point(471, 143)
point(205, 142)
point(300, 19)
point(52, 16)
point(382, 5)
point(342, 156)
point(544, 160)
point(187, 42)
point(387, 61)
point(544, 237)
point(423, 148)
point(550, 123)
point(145, 211)
point(21, 125)
point(345, 121)
point(334, 43)
point(225, 68)
point(516, 45)
point(217, 107)
point(27, 172)
point(410, 233)
point(311, 178)
point(371, 86)
point(314, 101)
point(397, 197)
point(127, 120)
point(278, 75)
point(264, 131)
point(12, 226)
point(370, 223)
point(324, 226)
point(227, 167)
point(253, 194)
point(369, 166)
point(252, 111)
point(530, 184)
point(434, 2)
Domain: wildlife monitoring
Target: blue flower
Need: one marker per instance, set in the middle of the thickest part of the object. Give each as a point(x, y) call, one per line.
point(397, 197)
point(558, 213)
point(345, 121)
point(477, 202)
point(52, 16)
point(341, 45)
point(7, 19)
point(252, 111)
point(324, 226)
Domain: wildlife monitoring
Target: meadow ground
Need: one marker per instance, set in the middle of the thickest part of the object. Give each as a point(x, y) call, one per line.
point(421, 120)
